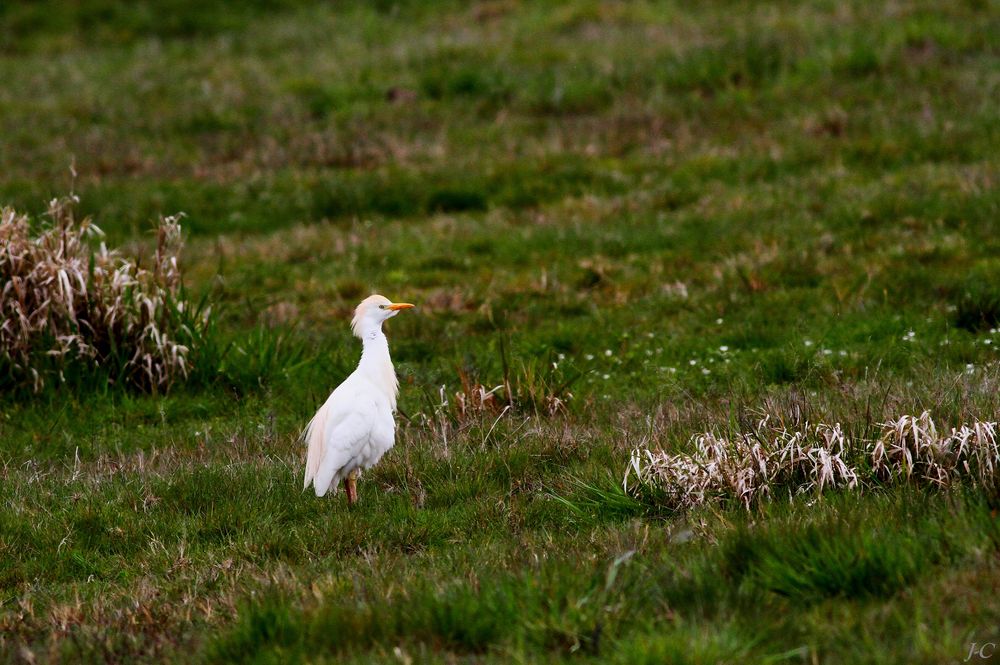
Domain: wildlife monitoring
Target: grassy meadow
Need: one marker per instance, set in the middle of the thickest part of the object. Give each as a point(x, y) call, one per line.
point(638, 221)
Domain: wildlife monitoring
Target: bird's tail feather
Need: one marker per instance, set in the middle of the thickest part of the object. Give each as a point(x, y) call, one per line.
point(313, 436)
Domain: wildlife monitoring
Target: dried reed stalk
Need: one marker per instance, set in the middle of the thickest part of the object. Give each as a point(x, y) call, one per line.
point(769, 459)
point(65, 303)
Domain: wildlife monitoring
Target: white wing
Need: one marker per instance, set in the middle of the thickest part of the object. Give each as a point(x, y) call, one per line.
point(339, 433)
point(343, 444)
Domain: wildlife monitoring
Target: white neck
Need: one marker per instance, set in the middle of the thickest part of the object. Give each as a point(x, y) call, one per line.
point(376, 364)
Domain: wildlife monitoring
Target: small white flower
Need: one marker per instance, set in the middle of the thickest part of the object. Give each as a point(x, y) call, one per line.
point(589, 356)
point(605, 376)
point(987, 341)
point(692, 362)
point(827, 352)
point(970, 368)
point(718, 322)
point(607, 352)
point(723, 348)
point(842, 353)
point(705, 370)
point(808, 342)
point(562, 356)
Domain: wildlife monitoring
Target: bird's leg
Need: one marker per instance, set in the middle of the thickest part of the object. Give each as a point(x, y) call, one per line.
point(350, 484)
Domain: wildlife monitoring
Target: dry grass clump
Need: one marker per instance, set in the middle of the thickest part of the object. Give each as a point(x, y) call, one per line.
point(473, 404)
point(473, 399)
point(748, 467)
point(911, 448)
point(757, 464)
point(68, 308)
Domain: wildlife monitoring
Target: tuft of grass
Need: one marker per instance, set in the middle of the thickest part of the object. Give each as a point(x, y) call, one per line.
point(72, 313)
point(771, 460)
point(857, 555)
point(910, 448)
point(601, 501)
point(766, 461)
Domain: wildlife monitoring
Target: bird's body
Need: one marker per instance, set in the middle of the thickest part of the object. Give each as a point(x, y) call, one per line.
point(355, 426)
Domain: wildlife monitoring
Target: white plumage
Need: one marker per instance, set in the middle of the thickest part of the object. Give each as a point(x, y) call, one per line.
point(355, 426)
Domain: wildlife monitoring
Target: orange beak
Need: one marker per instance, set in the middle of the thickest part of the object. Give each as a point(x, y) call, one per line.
point(399, 305)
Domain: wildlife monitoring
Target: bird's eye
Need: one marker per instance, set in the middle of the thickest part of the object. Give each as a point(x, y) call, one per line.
point(381, 306)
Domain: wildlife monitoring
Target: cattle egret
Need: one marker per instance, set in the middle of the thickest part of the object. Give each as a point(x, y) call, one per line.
point(355, 427)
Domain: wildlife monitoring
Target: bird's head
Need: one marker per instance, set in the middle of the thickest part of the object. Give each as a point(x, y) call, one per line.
point(372, 311)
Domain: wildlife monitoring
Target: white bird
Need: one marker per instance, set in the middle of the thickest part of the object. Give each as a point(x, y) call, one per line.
point(355, 426)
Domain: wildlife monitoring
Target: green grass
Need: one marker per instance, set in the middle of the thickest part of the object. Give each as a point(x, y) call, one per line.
point(835, 554)
point(670, 217)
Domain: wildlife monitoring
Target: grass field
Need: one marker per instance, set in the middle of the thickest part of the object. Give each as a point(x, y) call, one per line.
point(647, 219)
